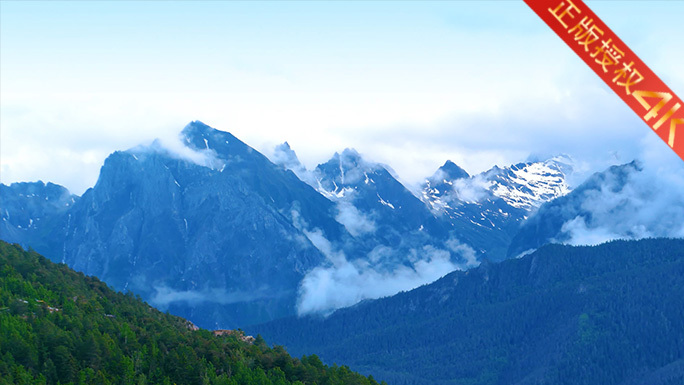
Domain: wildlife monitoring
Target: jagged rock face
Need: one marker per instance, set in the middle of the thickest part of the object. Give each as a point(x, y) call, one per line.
point(375, 206)
point(212, 238)
point(403, 221)
point(442, 180)
point(32, 212)
point(216, 232)
point(483, 211)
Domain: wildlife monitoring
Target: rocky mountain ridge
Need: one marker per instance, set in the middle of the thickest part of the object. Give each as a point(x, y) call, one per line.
point(217, 233)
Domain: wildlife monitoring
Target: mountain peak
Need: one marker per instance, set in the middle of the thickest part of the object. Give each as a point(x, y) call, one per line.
point(196, 135)
point(196, 129)
point(350, 152)
point(200, 137)
point(452, 171)
point(349, 156)
point(344, 169)
point(528, 185)
point(285, 156)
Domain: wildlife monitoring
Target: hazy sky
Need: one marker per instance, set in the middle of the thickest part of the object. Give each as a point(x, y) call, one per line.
point(409, 84)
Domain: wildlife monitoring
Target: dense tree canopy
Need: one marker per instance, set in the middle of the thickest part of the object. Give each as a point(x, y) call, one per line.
point(58, 326)
point(612, 314)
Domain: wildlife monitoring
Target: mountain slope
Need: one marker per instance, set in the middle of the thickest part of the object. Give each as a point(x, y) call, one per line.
point(375, 192)
point(57, 326)
point(610, 314)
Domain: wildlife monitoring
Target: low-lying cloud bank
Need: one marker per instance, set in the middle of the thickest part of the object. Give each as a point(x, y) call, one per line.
point(178, 149)
point(645, 200)
point(472, 190)
point(344, 282)
point(165, 296)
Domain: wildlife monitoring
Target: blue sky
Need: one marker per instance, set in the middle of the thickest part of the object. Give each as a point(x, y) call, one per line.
point(409, 84)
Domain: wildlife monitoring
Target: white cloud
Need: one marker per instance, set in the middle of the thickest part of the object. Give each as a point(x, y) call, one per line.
point(177, 148)
point(344, 282)
point(284, 156)
point(325, 289)
point(647, 203)
point(356, 222)
point(466, 252)
point(410, 98)
point(164, 296)
point(471, 190)
point(581, 234)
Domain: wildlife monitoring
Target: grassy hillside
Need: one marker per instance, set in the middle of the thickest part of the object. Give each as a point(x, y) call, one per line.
point(60, 327)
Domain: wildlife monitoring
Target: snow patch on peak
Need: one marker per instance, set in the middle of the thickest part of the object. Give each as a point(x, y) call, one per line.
point(529, 185)
point(337, 193)
point(384, 202)
point(356, 222)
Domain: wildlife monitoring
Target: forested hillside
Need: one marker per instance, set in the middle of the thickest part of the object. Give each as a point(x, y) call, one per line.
point(610, 314)
point(58, 326)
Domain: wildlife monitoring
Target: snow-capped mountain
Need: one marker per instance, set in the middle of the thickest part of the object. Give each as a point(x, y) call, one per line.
point(483, 211)
point(468, 205)
point(379, 210)
point(496, 201)
point(436, 189)
point(523, 186)
point(529, 185)
point(628, 201)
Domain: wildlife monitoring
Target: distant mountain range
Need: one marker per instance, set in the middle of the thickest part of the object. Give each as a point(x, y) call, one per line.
point(484, 210)
point(218, 233)
point(496, 201)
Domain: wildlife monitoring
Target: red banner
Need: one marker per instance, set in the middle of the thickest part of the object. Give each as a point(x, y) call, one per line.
point(617, 65)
